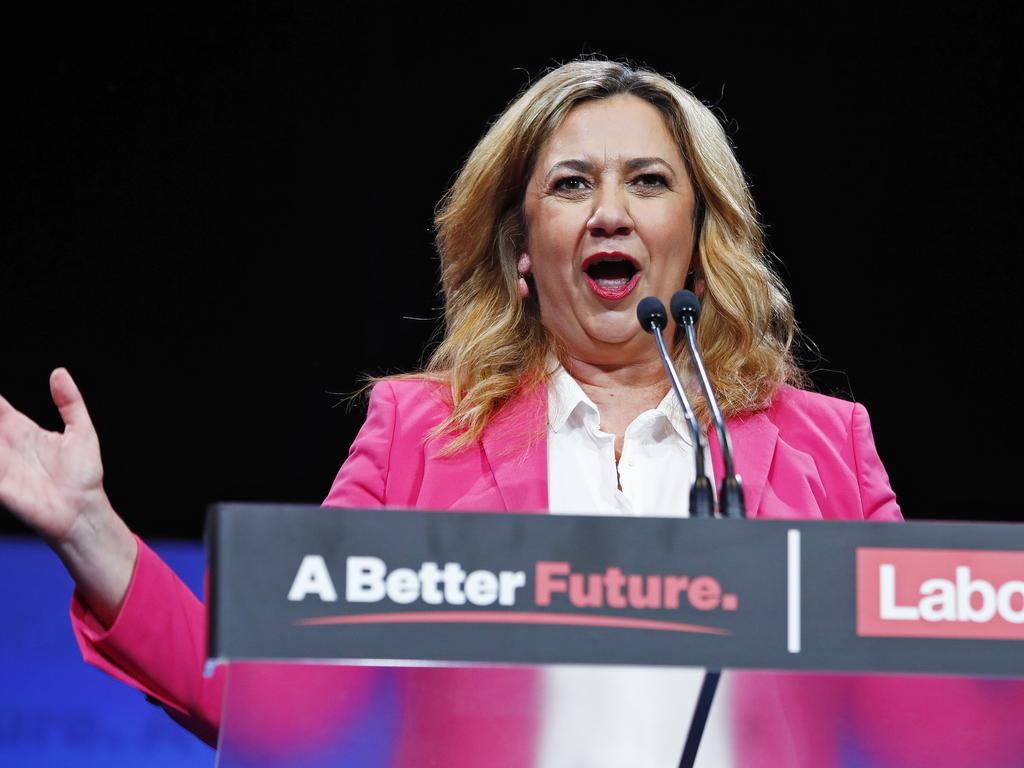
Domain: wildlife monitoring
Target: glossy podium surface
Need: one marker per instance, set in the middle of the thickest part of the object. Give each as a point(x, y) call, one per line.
point(309, 716)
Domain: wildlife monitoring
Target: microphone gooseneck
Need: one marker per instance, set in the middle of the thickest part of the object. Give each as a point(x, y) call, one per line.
point(651, 314)
point(653, 319)
point(686, 311)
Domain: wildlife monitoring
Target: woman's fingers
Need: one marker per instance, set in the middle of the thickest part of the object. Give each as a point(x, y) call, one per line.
point(69, 400)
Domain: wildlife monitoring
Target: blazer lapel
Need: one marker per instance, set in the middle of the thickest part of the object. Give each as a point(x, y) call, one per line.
point(753, 444)
point(515, 447)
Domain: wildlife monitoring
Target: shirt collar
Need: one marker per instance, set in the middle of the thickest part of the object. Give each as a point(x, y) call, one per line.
point(671, 409)
point(566, 396)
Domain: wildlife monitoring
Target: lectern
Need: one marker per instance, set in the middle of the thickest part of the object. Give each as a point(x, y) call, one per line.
point(404, 638)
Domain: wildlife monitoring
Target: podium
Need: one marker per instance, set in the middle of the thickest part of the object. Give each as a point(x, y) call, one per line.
point(398, 638)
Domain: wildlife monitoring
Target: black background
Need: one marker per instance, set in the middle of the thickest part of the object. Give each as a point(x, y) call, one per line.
point(217, 220)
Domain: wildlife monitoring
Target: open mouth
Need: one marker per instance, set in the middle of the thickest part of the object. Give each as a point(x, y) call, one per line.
point(611, 275)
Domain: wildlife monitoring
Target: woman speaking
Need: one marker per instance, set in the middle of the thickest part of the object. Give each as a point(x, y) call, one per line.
point(598, 186)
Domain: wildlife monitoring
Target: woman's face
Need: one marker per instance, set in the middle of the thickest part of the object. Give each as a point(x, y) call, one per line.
point(609, 210)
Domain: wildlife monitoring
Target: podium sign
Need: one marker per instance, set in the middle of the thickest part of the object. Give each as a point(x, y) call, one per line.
point(387, 587)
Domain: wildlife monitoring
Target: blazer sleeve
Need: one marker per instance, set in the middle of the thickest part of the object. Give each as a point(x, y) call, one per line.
point(362, 480)
point(157, 644)
point(878, 501)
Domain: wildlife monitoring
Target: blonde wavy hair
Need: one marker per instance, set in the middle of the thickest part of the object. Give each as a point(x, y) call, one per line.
point(494, 344)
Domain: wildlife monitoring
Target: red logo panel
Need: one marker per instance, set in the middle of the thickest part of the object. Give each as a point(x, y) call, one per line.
point(956, 593)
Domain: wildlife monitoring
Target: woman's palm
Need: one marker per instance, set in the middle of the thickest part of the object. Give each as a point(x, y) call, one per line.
point(48, 478)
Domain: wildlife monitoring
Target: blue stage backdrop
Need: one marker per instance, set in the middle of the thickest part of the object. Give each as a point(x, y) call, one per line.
point(56, 710)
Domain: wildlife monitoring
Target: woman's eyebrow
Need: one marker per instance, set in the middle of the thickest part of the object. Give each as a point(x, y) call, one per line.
point(642, 162)
point(580, 166)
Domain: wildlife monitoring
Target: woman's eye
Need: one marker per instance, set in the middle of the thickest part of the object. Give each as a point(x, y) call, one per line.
point(651, 180)
point(571, 184)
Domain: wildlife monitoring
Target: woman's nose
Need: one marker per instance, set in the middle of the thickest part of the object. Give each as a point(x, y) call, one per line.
point(610, 215)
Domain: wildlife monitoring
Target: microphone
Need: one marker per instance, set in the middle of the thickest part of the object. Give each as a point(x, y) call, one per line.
point(653, 319)
point(686, 311)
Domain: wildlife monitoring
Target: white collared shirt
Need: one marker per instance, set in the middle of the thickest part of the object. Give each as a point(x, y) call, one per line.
point(622, 716)
point(655, 471)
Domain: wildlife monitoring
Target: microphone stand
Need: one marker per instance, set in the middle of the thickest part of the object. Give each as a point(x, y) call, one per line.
point(686, 311)
point(730, 498)
point(700, 717)
point(650, 313)
point(702, 498)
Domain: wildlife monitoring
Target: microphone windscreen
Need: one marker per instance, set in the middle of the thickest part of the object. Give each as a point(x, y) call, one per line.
point(685, 307)
point(651, 314)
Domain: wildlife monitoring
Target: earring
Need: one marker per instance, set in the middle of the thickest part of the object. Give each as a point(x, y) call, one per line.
point(523, 265)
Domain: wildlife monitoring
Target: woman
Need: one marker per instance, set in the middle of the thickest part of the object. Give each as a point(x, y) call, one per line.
point(598, 186)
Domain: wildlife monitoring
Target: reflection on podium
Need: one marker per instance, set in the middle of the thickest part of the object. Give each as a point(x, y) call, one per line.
point(329, 715)
point(401, 717)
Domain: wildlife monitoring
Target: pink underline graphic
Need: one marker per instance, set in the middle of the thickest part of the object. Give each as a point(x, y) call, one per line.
point(511, 617)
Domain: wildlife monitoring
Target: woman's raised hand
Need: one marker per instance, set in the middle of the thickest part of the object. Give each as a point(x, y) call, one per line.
point(53, 482)
point(48, 479)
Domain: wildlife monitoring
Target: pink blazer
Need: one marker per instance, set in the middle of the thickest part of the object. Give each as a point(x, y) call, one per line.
point(807, 456)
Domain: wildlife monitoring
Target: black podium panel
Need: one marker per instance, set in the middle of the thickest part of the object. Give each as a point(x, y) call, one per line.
point(399, 587)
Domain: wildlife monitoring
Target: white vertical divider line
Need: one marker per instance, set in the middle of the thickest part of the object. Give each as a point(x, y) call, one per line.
point(793, 590)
